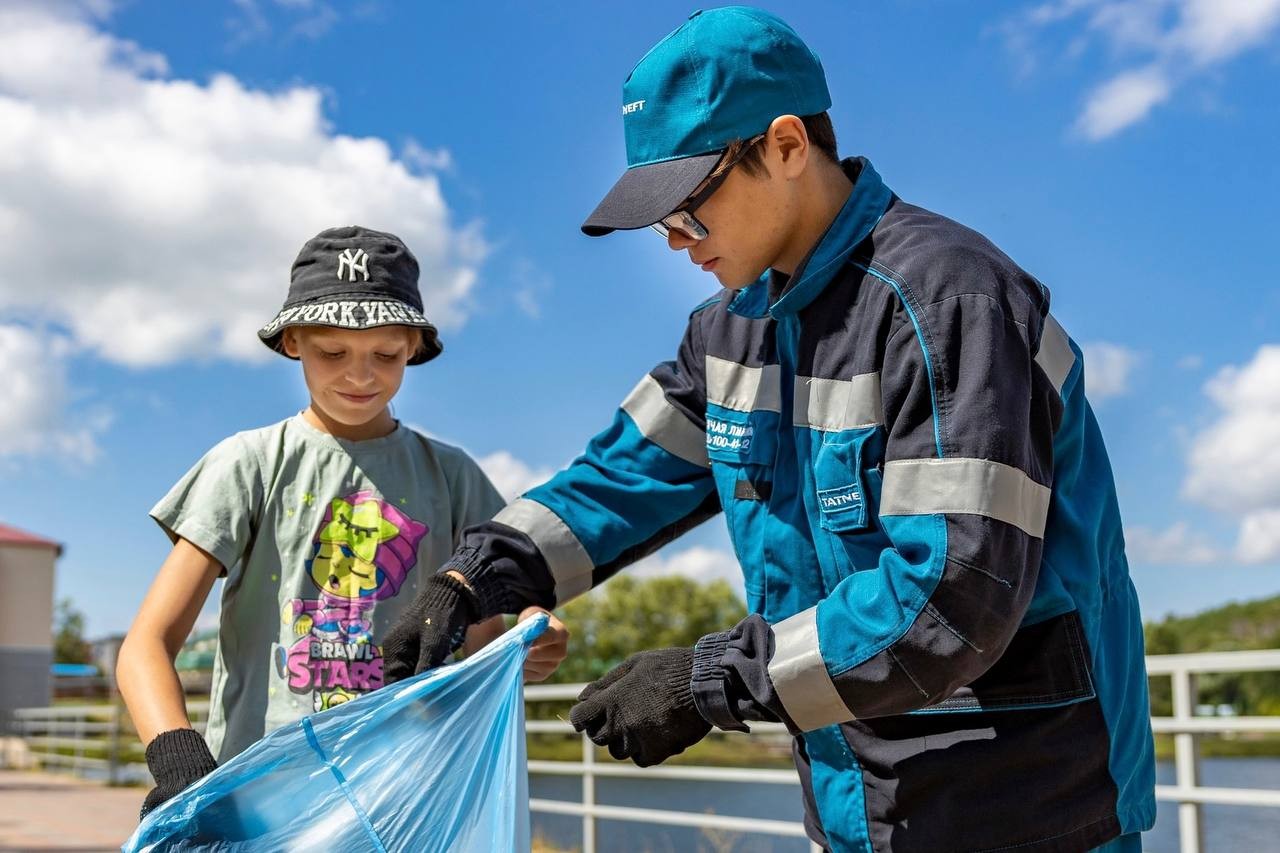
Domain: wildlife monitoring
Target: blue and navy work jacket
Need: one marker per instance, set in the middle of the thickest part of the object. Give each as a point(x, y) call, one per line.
point(926, 519)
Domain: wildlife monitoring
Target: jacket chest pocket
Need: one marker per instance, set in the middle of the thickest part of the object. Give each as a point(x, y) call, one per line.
point(847, 479)
point(741, 438)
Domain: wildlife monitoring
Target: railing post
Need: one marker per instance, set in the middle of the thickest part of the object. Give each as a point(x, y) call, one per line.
point(113, 746)
point(588, 795)
point(1186, 759)
point(77, 766)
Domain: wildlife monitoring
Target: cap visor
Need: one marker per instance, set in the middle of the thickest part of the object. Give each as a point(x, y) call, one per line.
point(645, 194)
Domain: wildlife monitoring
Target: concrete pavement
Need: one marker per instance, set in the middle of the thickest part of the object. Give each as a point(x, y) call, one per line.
point(49, 812)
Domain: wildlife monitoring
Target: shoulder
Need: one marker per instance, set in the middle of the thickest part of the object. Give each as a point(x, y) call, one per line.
point(938, 258)
point(710, 302)
point(470, 490)
point(244, 447)
point(452, 459)
point(261, 444)
point(937, 264)
point(705, 312)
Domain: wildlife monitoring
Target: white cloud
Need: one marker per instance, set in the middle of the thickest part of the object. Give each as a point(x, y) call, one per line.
point(1191, 362)
point(1215, 30)
point(1259, 540)
point(1234, 463)
point(531, 286)
point(426, 159)
point(699, 563)
point(1122, 101)
point(1107, 368)
point(310, 19)
point(511, 476)
point(35, 417)
point(160, 216)
point(1176, 545)
point(1165, 43)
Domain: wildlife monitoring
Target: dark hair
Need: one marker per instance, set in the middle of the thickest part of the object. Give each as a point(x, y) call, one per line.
point(822, 136)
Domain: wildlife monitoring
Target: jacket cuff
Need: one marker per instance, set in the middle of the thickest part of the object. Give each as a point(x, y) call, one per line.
point(710, 685)
point(491, 595)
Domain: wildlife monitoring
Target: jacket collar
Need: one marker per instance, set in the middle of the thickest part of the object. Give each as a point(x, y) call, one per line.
point(860, 214)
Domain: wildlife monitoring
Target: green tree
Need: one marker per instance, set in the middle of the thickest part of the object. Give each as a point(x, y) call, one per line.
point(1242, 625)
point(627, 615)
point(69, 645)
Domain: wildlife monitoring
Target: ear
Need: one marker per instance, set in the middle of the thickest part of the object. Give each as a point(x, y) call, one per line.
point(788, 145)
point(289, 340)
point(417, 343)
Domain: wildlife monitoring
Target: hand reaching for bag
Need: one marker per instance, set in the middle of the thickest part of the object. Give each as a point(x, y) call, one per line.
point(549, 650)
point(436, 624)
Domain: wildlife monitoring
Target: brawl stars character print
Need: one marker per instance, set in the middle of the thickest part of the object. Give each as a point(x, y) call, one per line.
point(361, 554)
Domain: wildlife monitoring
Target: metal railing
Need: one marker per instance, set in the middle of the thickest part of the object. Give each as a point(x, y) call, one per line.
point(92, 740)
point(1186, 729)
point(589, 770)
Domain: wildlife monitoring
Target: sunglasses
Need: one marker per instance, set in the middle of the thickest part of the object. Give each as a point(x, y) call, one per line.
point(682, 219)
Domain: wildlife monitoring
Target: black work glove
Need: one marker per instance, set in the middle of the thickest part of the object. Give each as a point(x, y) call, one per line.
point(431, 629)
point(643, 708)
point(176, 759)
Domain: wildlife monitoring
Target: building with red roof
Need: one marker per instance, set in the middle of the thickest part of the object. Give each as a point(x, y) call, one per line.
point(27, 564)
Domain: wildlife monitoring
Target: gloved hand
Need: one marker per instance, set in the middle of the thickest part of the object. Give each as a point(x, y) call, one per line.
point(176, 759)
point(432, 628)
point(643, 708)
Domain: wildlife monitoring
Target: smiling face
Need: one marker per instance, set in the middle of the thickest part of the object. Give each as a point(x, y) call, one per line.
point(352, 374)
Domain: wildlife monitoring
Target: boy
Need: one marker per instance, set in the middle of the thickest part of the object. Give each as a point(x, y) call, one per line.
point(322, 524)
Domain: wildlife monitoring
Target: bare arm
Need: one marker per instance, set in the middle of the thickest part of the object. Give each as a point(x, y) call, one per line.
point(145, 672)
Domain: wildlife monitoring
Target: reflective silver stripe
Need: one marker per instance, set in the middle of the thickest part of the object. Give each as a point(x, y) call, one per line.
point(1056, 358)
point(664, 424)
point(800, 675)
point(969, 486)
point(570, 566)
point(835, 404)
point(741, 388)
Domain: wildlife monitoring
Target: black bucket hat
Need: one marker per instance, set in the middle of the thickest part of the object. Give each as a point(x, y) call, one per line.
point(354, 278)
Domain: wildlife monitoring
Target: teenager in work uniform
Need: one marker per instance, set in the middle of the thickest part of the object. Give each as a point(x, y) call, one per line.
point(895, 427)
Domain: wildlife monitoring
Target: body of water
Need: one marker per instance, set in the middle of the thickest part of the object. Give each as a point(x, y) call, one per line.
point(1227, 829)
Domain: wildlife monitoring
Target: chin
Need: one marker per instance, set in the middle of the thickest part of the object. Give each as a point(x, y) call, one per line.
point(354, 416)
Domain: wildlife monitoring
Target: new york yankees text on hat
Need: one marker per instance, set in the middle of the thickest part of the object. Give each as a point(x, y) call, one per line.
point(346, 314)
point(354, 263)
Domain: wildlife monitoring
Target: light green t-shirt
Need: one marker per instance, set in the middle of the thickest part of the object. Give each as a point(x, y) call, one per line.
point(325, 542)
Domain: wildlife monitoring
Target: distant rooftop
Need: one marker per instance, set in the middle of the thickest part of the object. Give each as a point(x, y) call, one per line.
point(14, 536)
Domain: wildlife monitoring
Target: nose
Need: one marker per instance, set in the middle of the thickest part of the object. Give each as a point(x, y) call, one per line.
point(360, 371)
point(678, 241)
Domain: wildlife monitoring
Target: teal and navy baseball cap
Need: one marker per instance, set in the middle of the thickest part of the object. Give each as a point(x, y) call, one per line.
point(724, 75)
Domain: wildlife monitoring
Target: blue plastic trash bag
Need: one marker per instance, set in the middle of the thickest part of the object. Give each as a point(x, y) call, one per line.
point(435, 762)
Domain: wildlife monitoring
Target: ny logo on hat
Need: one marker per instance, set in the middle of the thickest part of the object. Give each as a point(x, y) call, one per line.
point(354, 263)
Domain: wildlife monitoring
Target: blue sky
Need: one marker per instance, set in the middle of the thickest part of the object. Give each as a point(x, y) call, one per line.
point(161, 163)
